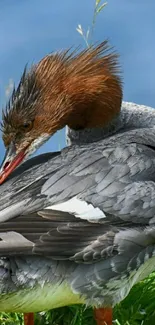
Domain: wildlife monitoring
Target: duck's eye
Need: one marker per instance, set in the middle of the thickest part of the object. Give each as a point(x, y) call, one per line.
point(27, 126)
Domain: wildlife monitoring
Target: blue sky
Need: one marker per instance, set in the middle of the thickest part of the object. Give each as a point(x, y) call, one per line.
point(29, 29)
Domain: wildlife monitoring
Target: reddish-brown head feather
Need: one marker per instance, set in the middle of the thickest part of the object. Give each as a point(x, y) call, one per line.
point(81, 90)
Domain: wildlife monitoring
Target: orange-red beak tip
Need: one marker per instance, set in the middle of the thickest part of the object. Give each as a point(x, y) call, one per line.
point(9, 168)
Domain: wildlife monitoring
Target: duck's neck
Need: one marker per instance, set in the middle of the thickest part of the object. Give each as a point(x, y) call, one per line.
point(132, 116)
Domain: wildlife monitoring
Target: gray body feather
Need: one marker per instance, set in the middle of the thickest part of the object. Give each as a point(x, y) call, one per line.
point(100, 258)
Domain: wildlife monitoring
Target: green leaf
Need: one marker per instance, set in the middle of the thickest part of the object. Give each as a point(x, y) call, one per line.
point(101, 7)
point(79, 29)
point(87, 34)
point(97, 2)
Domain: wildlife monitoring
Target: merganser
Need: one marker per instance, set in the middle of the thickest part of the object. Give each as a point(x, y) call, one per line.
point(97, 238)
point(63, 89)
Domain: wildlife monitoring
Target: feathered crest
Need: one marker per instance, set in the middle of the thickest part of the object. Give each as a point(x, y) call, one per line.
point(66, 82)
point(96, 56)
point(98, 60)
point(23, 99)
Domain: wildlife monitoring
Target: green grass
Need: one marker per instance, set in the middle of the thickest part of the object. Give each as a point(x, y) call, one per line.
point(137, 309)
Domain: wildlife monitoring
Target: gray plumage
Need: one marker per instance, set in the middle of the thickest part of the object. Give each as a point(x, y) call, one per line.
point(131, 116)
point(100, 259)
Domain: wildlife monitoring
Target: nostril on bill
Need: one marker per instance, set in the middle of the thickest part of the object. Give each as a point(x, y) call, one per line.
point(6, 165)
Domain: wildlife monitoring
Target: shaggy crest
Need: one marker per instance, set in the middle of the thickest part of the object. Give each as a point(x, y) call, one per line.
point(22, 101)
point(69, 87)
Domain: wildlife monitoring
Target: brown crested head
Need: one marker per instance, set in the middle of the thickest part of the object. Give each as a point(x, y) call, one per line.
point(81, 90)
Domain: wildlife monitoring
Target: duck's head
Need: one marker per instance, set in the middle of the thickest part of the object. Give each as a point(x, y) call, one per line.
point(81, 90)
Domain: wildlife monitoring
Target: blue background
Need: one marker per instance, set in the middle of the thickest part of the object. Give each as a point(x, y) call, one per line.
point(29, 29)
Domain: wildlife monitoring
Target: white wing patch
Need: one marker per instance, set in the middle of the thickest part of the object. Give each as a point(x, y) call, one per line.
point(80, 209)
point(12, 238)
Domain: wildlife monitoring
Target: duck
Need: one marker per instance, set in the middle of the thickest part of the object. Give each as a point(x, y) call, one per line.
point(76, 226)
